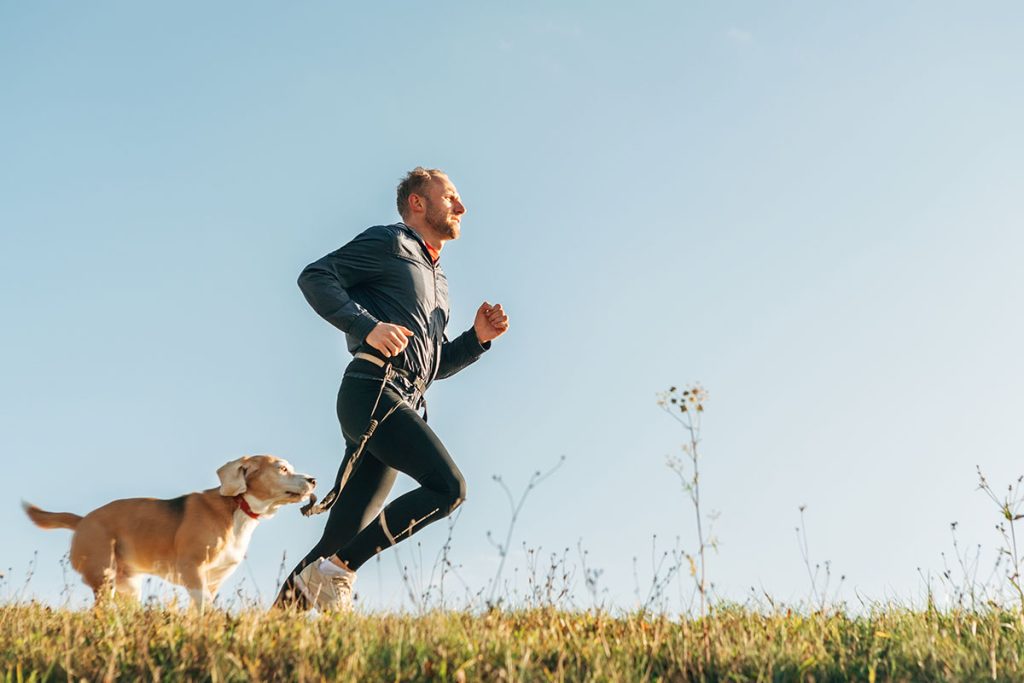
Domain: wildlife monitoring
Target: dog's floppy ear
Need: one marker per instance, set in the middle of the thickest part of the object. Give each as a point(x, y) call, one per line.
point(232, 477)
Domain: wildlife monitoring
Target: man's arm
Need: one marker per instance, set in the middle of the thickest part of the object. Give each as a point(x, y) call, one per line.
point(460, 352)
point(490, 323)
point(325, 283)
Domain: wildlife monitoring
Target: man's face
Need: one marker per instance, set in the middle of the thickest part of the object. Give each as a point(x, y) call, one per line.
point(444, 208)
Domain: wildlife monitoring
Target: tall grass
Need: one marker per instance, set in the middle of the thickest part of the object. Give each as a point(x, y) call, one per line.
point(121, 642)
point(543, 634)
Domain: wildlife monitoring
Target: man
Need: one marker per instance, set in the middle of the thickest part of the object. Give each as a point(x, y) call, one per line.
point(385, 289)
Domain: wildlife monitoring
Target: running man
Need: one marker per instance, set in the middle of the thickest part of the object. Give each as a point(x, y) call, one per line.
point(386, 291)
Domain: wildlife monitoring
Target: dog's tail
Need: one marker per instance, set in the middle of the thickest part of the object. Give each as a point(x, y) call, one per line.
point(51, 520)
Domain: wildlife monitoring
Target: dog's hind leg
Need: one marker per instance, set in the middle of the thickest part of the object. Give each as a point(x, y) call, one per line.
point(127, 585)
point(99, 579)
point(94, 556)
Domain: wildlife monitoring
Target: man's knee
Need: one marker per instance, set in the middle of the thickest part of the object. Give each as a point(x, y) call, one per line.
point(458, 493)
point(449, 487)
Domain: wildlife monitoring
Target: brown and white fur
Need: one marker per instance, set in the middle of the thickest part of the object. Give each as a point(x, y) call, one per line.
point(195, 541)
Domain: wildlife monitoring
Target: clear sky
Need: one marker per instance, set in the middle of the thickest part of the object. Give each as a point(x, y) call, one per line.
point(814, 209)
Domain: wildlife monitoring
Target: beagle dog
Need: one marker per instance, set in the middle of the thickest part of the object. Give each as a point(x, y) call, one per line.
point(195, 541)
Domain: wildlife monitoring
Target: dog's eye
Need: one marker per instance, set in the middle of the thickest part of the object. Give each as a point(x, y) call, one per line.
point(283, 469)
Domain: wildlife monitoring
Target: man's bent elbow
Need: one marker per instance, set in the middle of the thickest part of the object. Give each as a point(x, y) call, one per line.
point(305, 278)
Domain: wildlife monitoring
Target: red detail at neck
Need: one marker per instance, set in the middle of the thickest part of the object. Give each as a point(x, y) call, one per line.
point(244, 505)
point(435, 254)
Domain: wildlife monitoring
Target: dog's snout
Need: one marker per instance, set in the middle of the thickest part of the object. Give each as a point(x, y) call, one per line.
point(311, 480)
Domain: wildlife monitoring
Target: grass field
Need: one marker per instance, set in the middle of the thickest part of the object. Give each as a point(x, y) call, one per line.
point(41, 643)
point(979, 636)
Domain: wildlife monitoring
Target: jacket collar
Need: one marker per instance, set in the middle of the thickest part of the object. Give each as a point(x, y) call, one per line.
point(423, 242)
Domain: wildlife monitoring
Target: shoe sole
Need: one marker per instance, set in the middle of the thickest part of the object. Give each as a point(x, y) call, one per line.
point(301, 585)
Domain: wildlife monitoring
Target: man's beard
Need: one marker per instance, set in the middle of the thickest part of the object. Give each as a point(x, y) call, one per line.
point(441, 223)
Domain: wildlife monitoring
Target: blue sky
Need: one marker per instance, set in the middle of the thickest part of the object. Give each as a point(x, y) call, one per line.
point(813, 209)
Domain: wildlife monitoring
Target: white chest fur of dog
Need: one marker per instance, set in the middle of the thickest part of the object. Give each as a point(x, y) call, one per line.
point(225, 559)
point(234, 548)
point(195, 541)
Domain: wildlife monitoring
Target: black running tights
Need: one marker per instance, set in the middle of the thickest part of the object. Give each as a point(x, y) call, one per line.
point(357, 528)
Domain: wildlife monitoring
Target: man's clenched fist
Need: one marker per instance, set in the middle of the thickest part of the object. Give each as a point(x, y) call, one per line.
point(491, 322)
point(389, 339)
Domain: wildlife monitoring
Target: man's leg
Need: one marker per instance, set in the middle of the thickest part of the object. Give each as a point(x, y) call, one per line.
point(364, 495)
point(404, 442)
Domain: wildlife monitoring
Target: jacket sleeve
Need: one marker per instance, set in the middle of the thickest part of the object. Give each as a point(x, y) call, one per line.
point(460, 352)
point(326, 283)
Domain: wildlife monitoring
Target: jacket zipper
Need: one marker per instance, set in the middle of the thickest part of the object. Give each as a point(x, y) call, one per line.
point(434, 346)
point(433, 341)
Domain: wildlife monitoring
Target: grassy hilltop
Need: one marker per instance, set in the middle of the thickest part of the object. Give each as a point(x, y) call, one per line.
point(40, 643)
point(979, 636)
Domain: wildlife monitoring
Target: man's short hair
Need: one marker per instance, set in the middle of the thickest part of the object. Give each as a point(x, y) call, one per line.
point(413, 183)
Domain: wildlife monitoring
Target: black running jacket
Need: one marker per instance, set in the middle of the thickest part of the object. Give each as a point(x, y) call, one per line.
point(385, 274)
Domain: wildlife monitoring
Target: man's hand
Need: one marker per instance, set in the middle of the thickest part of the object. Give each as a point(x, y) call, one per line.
point(490, 323)
point(389, 339)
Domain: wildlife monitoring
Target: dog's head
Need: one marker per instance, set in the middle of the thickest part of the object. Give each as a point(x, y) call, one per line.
point(267, 482)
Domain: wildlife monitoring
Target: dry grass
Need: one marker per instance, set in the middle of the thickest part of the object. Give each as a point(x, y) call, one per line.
point(41, 643)
point(977, 638)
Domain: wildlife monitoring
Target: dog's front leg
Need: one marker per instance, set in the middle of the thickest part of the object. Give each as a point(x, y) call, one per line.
point(194, 580)
point(200, 598)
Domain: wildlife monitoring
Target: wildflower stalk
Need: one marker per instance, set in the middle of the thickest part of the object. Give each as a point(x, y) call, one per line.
point(801, 538)
point(515, 508)
point(1009, 507)
point(687, 408)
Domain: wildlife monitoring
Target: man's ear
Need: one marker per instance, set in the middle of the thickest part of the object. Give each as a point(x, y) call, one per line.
point(232, 477)
point(416, 204)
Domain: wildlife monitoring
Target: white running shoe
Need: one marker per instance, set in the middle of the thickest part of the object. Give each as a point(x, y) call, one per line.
point(327, 586)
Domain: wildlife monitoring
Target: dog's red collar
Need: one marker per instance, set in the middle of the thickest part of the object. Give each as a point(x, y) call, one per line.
point(244, 505)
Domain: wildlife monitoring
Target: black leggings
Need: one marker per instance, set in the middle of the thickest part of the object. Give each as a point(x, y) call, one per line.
point(357, 528)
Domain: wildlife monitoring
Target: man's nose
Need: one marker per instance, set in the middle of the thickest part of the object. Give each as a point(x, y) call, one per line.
point(459, 207)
